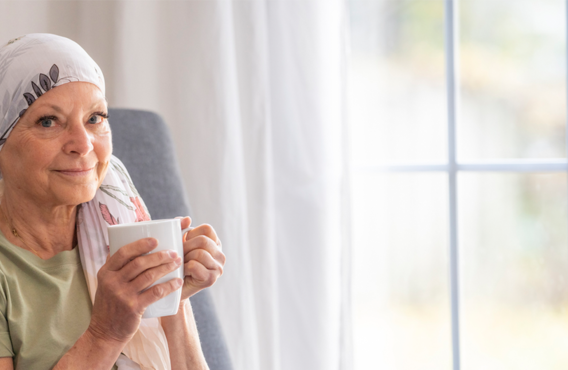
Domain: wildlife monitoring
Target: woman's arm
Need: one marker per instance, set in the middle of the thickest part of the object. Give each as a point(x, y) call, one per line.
point(121, 298)
point(183, 339)
point(90, 352)
point(6, 363)
point(87, 353)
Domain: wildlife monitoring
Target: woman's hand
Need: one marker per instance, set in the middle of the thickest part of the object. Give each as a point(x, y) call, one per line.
point(121, 300)
point(203, 258)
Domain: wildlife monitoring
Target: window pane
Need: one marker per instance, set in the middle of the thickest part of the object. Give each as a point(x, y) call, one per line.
point(514, 264)
point(397, 94)
point(512, 78)
point(400, 272)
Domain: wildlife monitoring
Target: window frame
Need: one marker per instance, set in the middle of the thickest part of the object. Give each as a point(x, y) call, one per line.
point(452, 167)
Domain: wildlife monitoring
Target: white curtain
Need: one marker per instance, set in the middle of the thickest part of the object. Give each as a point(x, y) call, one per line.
point(253, 94)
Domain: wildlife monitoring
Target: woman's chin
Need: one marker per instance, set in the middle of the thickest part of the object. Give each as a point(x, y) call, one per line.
point(76, 195)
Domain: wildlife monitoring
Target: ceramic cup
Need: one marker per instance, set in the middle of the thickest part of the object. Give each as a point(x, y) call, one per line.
point(169, 236)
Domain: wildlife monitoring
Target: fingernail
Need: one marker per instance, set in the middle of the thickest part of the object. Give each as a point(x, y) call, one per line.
point(172, 253)
point(179, 282)
point(152, 242)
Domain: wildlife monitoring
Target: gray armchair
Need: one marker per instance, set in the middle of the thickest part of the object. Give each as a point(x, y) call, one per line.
point(141, 140)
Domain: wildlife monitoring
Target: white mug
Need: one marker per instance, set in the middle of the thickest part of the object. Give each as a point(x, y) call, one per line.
point(169, 236)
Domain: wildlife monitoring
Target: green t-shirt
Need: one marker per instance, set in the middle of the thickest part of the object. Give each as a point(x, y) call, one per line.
point(44, 305)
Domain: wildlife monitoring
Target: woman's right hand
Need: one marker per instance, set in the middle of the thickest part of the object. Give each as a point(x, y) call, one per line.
point(121, 298)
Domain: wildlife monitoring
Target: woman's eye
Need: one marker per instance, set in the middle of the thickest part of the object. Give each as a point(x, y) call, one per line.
point(47, 122)
point(96, 119)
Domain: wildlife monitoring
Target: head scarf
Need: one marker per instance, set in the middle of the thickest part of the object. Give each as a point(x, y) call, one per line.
point(30, 66)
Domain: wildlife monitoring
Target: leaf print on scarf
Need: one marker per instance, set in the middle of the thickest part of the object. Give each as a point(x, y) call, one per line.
point(44, 82)
point(37, 90)
point(54, 73)
point(29, 98)
point(107, 216)
point(117, 166)
point(141, 214)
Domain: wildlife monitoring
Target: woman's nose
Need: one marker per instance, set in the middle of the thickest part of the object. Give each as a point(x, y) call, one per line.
point(78, 139)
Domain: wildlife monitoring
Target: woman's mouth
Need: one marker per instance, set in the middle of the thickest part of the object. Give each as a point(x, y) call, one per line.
point(76, 171)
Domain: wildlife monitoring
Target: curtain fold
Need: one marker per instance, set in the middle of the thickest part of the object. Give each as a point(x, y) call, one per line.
point(253, 94)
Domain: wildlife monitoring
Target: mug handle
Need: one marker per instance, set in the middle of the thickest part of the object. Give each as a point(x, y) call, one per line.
point(186, 230)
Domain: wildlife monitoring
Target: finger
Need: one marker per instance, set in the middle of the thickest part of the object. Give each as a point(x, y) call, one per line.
point(200, 275)
point(142, 263)
point(205, 258)
point(185, 221)
point(206, 230)
point(150, 276)
point(203, 242)
point(159, 291)
point(130, 251)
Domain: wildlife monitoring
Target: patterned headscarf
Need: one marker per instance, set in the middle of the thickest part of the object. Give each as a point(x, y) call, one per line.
point(30, 66)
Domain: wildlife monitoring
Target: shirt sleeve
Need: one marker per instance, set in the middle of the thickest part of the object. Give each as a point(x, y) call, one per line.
point(6, 349)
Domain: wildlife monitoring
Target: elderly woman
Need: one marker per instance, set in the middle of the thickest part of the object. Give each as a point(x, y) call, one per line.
point(64, 304)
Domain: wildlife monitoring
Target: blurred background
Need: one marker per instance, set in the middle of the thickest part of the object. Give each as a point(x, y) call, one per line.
point(315, 136)
point(510, 95)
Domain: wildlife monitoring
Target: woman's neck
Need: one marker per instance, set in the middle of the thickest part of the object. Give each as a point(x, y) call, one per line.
point(42, 229)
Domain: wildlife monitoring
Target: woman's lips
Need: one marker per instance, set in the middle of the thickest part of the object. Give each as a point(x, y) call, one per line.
point(75, 171)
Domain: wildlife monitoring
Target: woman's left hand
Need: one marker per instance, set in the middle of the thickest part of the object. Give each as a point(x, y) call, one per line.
point(203, 258)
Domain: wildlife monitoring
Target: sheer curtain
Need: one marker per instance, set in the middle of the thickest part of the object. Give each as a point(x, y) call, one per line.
point(253, 94)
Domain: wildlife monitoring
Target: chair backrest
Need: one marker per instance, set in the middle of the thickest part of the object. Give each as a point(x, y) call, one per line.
point(141, 140)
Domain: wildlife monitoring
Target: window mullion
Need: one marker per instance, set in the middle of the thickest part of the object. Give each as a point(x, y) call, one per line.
point(450, 52)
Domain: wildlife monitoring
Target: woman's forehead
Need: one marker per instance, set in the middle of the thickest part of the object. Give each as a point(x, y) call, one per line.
point(60, 99)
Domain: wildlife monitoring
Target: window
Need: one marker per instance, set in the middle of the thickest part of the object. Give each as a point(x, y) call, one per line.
point(457, 116)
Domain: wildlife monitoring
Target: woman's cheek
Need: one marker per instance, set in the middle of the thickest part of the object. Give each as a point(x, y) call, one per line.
point(101, 172)
point(104, 152)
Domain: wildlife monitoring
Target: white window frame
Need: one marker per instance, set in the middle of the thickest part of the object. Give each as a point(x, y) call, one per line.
point(453, 167)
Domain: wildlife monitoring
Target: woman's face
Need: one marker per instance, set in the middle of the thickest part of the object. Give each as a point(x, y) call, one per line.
point(59, 151)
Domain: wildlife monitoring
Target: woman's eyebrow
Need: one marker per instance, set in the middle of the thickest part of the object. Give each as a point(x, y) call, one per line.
point(56, 108)
point(60, 110)
point(97, 103)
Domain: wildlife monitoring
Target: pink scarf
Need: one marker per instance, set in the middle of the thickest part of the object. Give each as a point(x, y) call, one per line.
point(117, 201)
